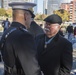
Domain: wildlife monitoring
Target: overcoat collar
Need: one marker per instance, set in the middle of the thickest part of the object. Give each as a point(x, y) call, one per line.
point(50, 46)
point(53, 42)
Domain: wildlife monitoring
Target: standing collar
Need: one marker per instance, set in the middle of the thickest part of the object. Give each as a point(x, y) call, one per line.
point(17, 24)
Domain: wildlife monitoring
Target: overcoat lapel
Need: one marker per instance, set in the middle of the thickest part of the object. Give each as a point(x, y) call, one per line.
point(41, 45)
point(41, 49)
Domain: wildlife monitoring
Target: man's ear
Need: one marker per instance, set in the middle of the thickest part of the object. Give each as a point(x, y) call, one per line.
point(59, 27)
point(25, 16)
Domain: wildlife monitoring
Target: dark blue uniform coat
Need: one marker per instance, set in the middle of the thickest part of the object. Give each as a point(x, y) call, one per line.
point(19, 48)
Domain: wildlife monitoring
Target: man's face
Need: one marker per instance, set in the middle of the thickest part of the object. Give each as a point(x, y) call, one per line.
point(51, 29)
point(28, 18)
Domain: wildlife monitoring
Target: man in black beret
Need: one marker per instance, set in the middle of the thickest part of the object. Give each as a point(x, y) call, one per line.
point(54, 51)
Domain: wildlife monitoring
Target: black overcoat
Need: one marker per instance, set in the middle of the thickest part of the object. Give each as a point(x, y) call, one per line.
point(19, 48)
point(56, 59)
point(35, 29)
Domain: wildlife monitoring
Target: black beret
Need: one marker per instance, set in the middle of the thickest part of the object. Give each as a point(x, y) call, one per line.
point(54, 18)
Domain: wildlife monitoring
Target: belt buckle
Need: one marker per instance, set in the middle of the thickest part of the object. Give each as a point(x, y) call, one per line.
point(9, 69)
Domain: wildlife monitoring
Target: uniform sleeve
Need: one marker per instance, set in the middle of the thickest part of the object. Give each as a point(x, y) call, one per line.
point(3, 24)
point(66, 60)
point(26, 53)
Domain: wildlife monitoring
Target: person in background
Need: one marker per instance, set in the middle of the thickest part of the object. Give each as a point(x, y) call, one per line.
point(6, 24)
point(75, 32)
point(70, 32)
point(18, 45)
point(41, 25)
point(61, 32)
point(54, 51)
point(34, 29)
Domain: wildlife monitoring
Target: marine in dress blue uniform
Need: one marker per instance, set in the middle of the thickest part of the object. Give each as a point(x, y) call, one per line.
point(18, 45)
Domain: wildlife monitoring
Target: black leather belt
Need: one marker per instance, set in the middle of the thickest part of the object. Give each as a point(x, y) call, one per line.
point(13, 71)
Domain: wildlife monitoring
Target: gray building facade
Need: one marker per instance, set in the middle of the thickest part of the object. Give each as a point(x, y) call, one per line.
point(35, 8)
point(1, 3)
point(52, 5)
point(45, 6)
